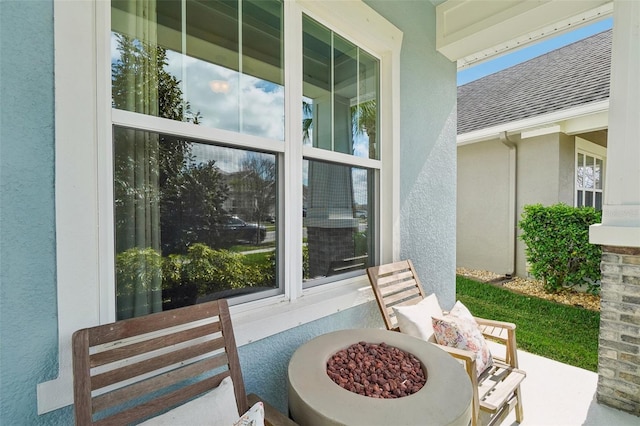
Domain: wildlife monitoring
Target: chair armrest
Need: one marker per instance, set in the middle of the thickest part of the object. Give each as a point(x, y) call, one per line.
point(500, 331)
point(503, 332)
point(494, 323)
point(272, 416)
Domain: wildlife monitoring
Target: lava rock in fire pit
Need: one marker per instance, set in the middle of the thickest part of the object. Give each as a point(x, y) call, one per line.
point(376, 370)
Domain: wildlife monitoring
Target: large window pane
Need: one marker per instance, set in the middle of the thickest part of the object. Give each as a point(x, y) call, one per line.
point(338, 216)
point(588, 198)
point(214, 63)
point(340, 88)
point(589, 180)
point(187, 214)
point(598, 201)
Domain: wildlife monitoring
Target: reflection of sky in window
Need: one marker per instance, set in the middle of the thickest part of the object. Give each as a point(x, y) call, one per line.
point(262, 102)
point(267, 86)
point(361, 145)
point(115, 55)
point(359, 177)
point(228, 160)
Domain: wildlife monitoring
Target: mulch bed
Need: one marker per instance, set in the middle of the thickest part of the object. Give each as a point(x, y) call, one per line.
point(533, 288)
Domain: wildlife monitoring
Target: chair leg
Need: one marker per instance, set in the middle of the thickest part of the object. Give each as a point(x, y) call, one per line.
point(475, 410)
point(475, 403)
point(519, 410)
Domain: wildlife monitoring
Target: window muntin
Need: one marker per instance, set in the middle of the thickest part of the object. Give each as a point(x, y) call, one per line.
point(186, 215)
point(340, 93)
point(339, 122)
point(224, 59)
point(154, 63)
point(589, 180)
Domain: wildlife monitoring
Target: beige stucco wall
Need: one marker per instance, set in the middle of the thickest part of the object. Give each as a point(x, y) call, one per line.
point(544, 174)
point(483, 237)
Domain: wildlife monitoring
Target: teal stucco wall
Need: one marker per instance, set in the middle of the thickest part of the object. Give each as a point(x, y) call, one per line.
point(28, 332)
point(28, 310)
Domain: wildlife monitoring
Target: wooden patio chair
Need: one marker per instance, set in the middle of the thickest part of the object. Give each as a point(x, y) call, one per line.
point(131, 370)
point(497, 390)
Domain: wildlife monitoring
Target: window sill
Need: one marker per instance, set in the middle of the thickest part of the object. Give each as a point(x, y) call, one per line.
point(317, 302)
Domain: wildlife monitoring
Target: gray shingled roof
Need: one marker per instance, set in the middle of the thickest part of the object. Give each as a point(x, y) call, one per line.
point(573, 75)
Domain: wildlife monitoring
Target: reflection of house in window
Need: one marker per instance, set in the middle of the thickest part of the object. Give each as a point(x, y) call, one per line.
point(252, 191)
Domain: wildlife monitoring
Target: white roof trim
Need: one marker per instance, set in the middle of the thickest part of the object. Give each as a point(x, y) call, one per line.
point(469, 31)
point(534, 123)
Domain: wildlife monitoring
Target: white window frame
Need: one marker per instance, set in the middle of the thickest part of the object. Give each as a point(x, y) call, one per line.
point(590, 149)
point(84, 185)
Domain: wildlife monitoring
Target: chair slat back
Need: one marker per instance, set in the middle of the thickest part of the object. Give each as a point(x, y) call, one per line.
point(395, 284)
point(130, 370)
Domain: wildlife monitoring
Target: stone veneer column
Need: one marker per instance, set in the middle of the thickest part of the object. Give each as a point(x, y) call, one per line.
point(619, 232)
point(619, 344)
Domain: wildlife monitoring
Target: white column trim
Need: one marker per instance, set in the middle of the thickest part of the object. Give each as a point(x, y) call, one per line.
point(621, 210)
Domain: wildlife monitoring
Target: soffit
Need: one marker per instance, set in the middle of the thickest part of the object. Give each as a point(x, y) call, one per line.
point(471, 31)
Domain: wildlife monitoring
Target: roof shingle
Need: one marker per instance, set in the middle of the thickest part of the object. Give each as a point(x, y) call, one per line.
point(572, 75)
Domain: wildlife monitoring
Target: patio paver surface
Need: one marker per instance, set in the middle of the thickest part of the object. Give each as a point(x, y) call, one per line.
point(558, 394)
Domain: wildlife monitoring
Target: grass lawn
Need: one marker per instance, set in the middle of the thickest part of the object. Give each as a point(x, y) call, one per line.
point(255, 259)
point(561, 332)
point(239, 248)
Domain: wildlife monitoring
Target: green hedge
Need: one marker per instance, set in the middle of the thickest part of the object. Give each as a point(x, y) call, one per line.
point(182, 278)
point(558, 248)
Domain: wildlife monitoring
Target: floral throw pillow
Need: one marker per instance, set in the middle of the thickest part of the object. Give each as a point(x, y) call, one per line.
point(460, 330)
point(253, 417)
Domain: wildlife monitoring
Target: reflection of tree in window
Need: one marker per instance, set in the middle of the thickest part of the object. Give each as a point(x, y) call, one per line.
point(191, 206)
point(141, 83)
point(164, 200)
point(363, 117)
point(190, 194)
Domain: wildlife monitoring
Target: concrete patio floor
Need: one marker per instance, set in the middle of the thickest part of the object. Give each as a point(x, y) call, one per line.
point(559, 394)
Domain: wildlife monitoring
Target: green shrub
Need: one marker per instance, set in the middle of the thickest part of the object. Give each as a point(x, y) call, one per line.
point(265, 267)
point(558, 248)
point(215, 270)
point(138, 282)
point(138, 270)
point(361, 243)
point(305, 263)
point(176, 290)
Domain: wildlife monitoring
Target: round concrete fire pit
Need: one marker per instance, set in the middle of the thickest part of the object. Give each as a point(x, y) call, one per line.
point(314, 399)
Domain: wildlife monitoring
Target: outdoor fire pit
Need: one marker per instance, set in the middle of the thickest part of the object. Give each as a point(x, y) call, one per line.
point(376, 370)
point(315, 399)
